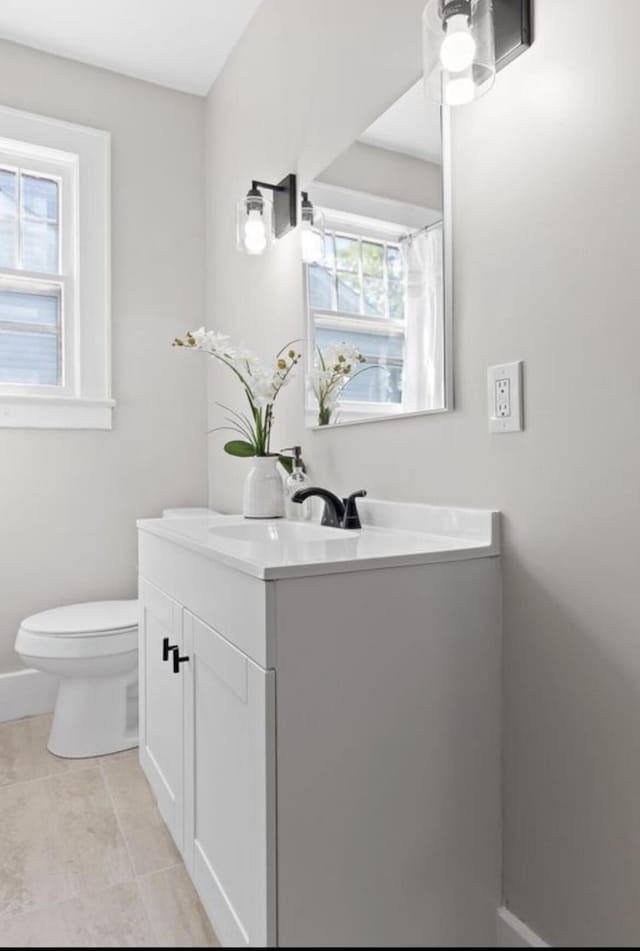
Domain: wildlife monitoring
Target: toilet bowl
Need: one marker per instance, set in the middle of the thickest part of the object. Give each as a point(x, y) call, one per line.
point(93, 649)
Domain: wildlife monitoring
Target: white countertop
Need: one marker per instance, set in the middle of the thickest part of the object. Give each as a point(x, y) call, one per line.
point(393, 534)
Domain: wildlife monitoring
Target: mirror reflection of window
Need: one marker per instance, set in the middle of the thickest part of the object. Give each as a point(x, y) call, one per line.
point(356, 296)
point(377, 298)
point(379, 290)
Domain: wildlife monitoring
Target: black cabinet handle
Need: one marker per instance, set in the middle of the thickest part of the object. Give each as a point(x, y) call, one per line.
point(177, 660)
point(166, 647)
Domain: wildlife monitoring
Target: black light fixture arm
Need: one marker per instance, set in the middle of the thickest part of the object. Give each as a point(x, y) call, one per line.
point(285, 210)
point(274, 188)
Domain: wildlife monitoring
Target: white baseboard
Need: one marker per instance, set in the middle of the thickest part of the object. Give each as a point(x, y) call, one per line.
point(26, 693)
point(513, 933)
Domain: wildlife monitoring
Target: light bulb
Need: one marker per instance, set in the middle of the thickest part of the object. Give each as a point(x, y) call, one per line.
point(459, 91)
point(458, 46)
point(312, 242)
point(255, 235)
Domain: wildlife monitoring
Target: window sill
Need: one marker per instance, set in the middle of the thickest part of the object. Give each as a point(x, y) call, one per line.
point(54, 412)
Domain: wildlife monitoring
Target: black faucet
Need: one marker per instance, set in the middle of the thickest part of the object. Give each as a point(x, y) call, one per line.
point(338, 513)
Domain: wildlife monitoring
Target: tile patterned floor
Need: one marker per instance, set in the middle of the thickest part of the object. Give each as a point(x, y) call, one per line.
point(85, 859)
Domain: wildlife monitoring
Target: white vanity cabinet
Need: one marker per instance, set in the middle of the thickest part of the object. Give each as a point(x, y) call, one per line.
point(207, 730)
point(327, 754)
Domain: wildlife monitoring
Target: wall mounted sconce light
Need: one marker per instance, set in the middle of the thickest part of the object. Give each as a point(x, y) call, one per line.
point(312, 231)
point(258, 221)
point(466, 41)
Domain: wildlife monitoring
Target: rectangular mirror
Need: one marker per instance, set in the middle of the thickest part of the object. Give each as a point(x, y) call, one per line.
point(378, 299)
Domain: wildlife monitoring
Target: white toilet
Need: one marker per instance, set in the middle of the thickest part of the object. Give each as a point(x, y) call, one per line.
point(93, 648)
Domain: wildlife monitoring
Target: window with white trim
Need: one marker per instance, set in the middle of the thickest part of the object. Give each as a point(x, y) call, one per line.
point(54, 274)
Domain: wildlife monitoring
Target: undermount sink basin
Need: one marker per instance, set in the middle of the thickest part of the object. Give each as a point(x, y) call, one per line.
point(278, 532)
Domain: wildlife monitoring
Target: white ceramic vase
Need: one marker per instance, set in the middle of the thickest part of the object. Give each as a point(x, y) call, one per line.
point(263, 495)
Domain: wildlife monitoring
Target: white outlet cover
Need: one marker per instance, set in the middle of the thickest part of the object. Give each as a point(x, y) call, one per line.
point(504, 394)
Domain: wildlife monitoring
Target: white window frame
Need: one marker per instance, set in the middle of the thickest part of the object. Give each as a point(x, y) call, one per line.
point(78, 157)
point(364, 228)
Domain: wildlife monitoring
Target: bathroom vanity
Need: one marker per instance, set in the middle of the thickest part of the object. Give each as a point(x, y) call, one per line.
point(320, 722)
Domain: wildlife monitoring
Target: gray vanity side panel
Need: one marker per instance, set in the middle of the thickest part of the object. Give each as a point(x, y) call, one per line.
point(388, 756)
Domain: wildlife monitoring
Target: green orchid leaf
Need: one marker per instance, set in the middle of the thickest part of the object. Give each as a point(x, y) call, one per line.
point(238, 447)
point(287, 463)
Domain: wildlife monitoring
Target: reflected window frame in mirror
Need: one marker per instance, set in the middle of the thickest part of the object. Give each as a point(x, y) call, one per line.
point(359, 325)
point(352, 313)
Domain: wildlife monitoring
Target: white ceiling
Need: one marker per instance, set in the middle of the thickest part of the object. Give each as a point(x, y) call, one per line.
point(182, 44)
point(411, 126)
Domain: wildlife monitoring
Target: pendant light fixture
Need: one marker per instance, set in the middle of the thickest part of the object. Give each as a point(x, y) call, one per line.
point(312, 231)
point(466, 41)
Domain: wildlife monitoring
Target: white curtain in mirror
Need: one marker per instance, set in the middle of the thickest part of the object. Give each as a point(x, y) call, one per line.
point(424, 360)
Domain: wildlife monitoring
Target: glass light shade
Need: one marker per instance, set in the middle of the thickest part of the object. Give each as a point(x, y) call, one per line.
point(458, 50)
point(254, 224)
point(312, 235)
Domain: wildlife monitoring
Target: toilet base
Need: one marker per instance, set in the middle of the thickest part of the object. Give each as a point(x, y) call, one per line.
point(109, 718)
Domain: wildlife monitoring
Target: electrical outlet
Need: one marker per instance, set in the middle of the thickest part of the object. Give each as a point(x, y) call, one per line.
point(503, 398)
point(504, 391)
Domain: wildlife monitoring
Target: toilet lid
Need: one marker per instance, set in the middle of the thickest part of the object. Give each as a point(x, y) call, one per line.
point(95, 617)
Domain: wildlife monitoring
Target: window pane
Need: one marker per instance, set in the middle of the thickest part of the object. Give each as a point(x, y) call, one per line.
point(29, 358)
point(7, 242)
point(329, 251)
point(349, 293)
point(378, 384)
point(396, 300)
point(394, 263)
point(381, 382)
point(17, 307)
point(372, 259)
point(40, 247)
point(347, 253)
point(39, 197)
point(374, 297)
point(7, 193)
point(321, 288)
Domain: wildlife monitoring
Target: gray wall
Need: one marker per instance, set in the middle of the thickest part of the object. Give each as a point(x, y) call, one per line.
point(546, 234)
point(367, 168)
point(69, 500)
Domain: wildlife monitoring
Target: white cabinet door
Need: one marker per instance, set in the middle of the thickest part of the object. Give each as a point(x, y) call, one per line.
point(230, 786)
point(161, 703)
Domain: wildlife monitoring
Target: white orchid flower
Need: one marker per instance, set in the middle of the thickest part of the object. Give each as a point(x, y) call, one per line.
point(200, 337)
point(333, 368)
point(261, 386)
point(217, 340)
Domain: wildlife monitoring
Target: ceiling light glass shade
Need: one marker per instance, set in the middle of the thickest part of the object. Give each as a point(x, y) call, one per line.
point(458, 49)
point(254, 223)
point(311, 232)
